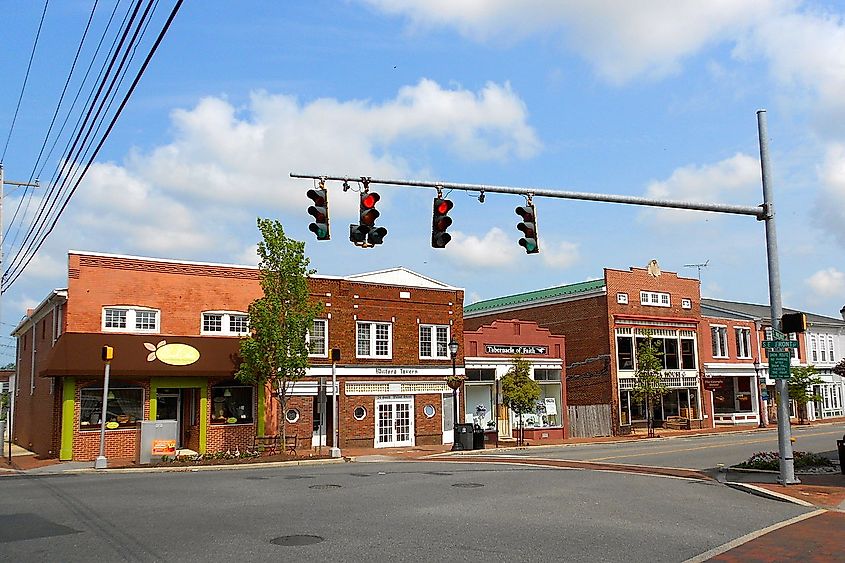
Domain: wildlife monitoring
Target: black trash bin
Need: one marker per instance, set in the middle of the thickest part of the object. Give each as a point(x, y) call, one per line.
point(464, 437)
point(840, 445)
point(477, 438)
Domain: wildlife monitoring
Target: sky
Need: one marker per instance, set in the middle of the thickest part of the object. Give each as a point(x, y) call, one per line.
point(654, 98)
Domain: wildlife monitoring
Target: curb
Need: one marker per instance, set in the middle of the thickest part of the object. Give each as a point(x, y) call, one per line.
point(183, 468)
point(766, 493)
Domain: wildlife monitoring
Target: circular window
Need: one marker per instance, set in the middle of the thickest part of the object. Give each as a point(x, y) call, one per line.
point(429, 411)
point(359, 413)
point(292, 415)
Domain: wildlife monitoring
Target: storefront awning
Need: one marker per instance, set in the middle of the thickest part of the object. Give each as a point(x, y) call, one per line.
point(143, 355)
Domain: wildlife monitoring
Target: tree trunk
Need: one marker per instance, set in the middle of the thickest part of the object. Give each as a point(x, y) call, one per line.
point(648, 417)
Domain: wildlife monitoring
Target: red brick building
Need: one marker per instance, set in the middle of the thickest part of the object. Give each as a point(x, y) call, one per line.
point(175, 327)
point(603, 321)
point(488, 353)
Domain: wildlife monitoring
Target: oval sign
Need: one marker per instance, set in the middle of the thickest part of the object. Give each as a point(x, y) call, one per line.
point(112, 425)
point(177, 354)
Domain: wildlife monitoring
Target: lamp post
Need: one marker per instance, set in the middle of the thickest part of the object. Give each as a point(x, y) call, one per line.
point(454, 383)
point(760, 387)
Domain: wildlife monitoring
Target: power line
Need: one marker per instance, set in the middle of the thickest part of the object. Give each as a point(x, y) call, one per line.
point(25, 80)
point(22, 265)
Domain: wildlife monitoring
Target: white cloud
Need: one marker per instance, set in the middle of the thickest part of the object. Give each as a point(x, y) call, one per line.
point(559, 254)
point(225, 165)
point(830, 205)
point(733, 180)
point(493, 250)
point(621, 39)
point(827, 283)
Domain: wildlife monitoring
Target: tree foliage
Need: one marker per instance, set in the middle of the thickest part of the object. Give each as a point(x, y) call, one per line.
point(648, 384)
point(519, 392)
point(276, 349)
point(839, 369)
point(801, 381)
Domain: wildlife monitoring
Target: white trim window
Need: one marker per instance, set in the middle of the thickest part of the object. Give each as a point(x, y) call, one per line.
point(434, 342)
point(374, 340)
point(814, 349)
point(743, 342)
point(655, 299)
point(830, 348)
point(318, 338)
point(224, 323)
point(719, 338)
point(622, 298)
point(130, 319)
point(686, 304)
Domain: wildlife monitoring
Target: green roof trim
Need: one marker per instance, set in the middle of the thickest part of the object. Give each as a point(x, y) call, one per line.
point(537, 295)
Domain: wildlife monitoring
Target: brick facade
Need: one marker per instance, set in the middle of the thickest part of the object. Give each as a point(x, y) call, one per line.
point(180, 292)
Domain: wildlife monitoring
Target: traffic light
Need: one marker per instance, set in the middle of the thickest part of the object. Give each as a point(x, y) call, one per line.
point(528, 226)
point(320, 211)
point(107, 353)
point(793, 322)
point(365, 233)
point(440, 221)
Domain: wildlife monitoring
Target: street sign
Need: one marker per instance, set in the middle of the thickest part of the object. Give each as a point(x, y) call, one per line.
point(779, 366)
point(780, 355)
point(768, 344)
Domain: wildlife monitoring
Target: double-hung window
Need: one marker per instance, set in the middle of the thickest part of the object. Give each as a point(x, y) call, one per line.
point(655, 299)
point(719, 336)
point(743, 342)
point(318, 338)
point(434, 341)
point(225, 323)
point(130, 319)
point(374, 340)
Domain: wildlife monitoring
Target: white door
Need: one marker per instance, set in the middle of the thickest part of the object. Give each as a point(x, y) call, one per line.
point(394, 423)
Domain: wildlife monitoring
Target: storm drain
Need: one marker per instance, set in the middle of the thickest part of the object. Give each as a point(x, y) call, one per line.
point(468, 485)
point(297, 540)
point(325, 486)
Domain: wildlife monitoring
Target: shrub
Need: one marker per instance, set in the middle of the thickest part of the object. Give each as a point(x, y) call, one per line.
point(771, 461)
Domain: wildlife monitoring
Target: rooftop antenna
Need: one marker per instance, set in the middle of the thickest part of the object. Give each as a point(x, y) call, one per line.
point(699, 266)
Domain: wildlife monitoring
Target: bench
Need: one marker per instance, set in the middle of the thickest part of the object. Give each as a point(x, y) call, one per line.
point(676, 423)
point(291, 443)
point(268, 445)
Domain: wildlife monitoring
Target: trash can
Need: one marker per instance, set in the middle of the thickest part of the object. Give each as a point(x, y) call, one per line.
point(477, 438)
point(465, 436)
point(840, 445)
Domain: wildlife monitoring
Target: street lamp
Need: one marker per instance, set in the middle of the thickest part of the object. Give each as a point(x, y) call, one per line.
point(453, 383)
point(760, 386)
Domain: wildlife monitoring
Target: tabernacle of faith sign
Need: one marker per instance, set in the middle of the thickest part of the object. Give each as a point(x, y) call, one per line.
point(514, 349)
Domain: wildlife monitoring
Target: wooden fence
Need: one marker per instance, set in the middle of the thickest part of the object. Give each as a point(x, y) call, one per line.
point(586, 421)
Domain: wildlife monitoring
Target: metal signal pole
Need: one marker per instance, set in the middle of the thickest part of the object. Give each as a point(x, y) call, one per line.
point(764, 212)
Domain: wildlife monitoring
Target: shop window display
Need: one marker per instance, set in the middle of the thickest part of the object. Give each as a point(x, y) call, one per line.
point(231, 405)
point(124, 409)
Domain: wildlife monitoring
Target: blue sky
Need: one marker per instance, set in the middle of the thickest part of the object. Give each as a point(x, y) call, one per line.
point(651, 98)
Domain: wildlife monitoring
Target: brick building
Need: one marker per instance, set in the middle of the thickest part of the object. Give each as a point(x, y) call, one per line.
point(603, 321)
point(488, 353)
point(175, 327)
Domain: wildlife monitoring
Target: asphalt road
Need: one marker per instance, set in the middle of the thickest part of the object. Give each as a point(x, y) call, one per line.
point(696, 452)
point(374, 511)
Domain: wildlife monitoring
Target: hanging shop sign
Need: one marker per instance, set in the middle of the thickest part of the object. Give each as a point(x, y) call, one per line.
point(712, 383)
point(516, 349)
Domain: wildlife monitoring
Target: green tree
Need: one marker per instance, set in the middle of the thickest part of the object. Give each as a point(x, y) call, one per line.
point(801, 381)
point(519, 392)
point(649, 385)
point(276, 350)
point(839, 369)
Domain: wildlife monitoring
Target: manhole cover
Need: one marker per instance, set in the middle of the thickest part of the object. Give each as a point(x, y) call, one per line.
point(468, 485)
point(299, 539)
point(325, 486)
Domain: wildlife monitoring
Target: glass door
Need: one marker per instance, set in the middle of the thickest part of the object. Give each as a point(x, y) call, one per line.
point(394, 423)
point(169, 407)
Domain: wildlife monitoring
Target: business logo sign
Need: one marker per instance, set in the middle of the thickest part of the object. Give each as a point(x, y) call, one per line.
point(172, 354)
point(515, 349)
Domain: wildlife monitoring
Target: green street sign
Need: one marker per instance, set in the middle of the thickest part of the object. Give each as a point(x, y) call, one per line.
point(779, 365)
point(781, 355)
point(768, 344)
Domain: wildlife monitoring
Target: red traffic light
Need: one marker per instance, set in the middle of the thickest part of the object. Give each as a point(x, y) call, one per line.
point(369, 200)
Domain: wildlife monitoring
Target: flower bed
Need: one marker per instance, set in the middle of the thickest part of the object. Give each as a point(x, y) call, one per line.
point(770, 461)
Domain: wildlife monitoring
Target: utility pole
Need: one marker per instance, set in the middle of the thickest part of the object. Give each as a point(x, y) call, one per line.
point(11, 414)
point(763, 212)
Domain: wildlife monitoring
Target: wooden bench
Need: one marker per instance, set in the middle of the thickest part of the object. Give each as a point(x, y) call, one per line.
point(290, 444)
point(268, 445)
point(676, 423)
